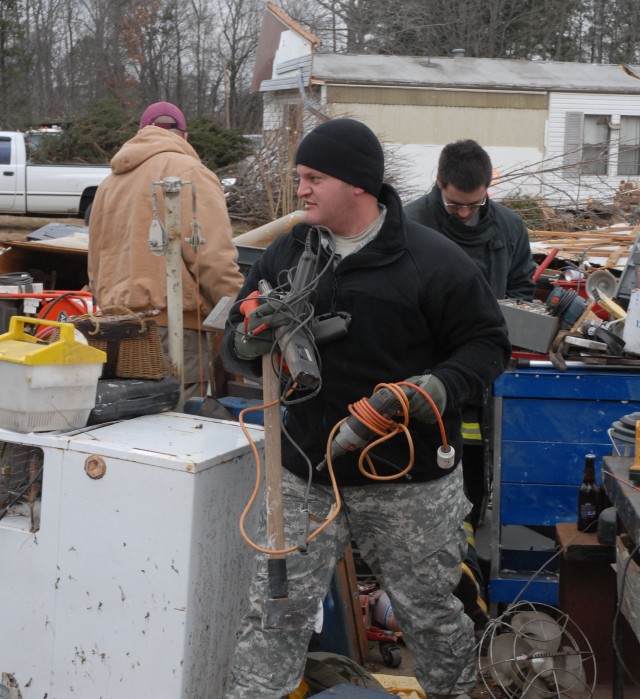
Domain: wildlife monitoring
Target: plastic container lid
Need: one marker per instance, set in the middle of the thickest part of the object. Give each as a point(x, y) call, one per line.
point(17, 346)
point(622, 433)
point(630, 420)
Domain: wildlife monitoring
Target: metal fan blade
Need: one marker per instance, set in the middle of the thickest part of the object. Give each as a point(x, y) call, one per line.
point(540, 630)
point(503, 657)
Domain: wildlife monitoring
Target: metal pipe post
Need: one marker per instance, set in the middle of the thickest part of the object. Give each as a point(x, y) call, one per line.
point(172, 187)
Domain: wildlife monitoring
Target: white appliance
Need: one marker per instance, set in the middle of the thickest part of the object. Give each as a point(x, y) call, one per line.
point(132, 586)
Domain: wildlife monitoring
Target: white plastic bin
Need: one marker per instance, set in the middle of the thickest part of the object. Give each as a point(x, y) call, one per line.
point(46, 386)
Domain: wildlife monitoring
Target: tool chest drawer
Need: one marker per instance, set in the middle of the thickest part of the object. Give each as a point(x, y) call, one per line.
point(545, 421)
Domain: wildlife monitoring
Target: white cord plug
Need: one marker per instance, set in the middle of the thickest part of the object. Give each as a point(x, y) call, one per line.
point(446, 457)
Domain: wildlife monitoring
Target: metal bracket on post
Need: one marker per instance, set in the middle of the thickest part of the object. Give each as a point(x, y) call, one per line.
point(195, 239)
point(167, 240)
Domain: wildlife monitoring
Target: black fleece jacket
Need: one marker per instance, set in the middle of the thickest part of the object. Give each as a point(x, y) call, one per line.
point(498, 244)
point(418, 305)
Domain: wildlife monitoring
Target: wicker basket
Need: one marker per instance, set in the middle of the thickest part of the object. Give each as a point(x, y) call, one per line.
point(133, 344)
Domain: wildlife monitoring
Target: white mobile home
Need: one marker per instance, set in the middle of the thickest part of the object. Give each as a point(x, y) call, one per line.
point(565, 131)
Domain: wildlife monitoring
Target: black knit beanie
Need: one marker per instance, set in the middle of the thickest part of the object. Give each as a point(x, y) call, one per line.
point(347, 150)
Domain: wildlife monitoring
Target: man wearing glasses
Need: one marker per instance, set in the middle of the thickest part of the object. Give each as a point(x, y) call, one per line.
point(496, 239)
point(493, 236)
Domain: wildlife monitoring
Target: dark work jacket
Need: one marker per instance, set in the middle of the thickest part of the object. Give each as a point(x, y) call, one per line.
point(418, 304)
point(499, 244)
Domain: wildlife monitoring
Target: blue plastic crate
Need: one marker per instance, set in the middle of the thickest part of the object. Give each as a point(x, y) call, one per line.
point(235, 405)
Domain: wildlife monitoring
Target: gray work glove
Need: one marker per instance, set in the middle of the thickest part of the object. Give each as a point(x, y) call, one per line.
point(254, 337)
point(419, 407)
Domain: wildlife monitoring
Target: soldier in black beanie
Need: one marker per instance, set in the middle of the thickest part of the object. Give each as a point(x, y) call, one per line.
point(347, 150)
point(410, 309)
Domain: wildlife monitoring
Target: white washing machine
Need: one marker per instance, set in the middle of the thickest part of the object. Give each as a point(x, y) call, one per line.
point(130, 585)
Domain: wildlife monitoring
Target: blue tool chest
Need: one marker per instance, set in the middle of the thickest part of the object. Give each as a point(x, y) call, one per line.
point(545, 421)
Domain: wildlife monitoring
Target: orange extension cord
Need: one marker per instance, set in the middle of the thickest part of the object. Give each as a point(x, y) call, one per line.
point(386, 428)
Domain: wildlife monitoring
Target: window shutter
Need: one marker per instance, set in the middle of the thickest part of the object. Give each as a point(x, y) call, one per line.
point(572, 143)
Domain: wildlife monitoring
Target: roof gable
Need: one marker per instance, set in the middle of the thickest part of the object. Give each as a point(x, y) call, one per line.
point(275, 23)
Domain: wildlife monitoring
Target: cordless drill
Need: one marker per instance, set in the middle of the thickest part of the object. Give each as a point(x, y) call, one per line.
point(355, 434)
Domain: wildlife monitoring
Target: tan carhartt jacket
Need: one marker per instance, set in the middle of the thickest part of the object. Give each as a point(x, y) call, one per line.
point(122, 269)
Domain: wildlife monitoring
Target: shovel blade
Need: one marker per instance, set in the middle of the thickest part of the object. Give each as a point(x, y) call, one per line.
point(303, 613)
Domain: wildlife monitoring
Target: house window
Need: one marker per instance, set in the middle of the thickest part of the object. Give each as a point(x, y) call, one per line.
point(629, 148)
point(595, 145)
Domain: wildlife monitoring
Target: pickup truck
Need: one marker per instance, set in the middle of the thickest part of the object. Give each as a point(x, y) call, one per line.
point(49, 189)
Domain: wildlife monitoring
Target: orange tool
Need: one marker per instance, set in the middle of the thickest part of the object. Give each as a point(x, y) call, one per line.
point(250, 303)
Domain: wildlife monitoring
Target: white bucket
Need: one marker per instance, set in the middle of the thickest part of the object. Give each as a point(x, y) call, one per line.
point(631, 330)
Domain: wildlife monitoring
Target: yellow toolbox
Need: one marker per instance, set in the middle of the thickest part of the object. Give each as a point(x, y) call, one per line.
point(46, 386)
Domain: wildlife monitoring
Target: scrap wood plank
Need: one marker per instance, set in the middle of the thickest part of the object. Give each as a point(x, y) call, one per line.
point(620, 235)
point(581, 235)
point(614, 257)
point(582, 246)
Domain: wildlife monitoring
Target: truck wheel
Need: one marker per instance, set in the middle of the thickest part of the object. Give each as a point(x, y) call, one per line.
point(87, 214)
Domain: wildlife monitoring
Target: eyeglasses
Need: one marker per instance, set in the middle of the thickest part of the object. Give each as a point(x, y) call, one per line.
point(450, 206)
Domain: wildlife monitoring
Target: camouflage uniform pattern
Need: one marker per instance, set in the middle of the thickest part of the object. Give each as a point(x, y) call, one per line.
point(411, 536)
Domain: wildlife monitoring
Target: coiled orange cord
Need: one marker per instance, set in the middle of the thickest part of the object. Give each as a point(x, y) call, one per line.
point(386, 428)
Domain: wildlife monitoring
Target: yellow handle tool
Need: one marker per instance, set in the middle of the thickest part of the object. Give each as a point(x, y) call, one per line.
point(609, 304)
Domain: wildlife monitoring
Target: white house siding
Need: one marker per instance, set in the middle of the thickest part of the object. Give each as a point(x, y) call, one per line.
point(561, 187)
point(291, 46)
point(526, 145)
point(415, 135)
point(507, 128)
point(275, 106)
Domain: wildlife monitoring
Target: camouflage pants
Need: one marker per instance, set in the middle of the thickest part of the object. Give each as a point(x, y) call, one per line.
point(411, 536)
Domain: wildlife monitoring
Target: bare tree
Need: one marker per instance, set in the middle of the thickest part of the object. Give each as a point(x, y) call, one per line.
point(15, 61)
point(205, 79)
point(236, 45)
point(200, 53)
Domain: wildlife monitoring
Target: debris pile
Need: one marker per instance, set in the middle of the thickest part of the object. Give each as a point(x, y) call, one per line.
point(578, 317)
point(605, 247)
point(585, 284)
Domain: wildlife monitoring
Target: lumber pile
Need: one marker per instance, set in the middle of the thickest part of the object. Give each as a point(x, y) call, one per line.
point(600, 231)
point(611, 244)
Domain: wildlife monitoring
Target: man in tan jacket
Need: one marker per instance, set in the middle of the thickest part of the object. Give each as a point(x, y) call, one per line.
point(122, 269)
